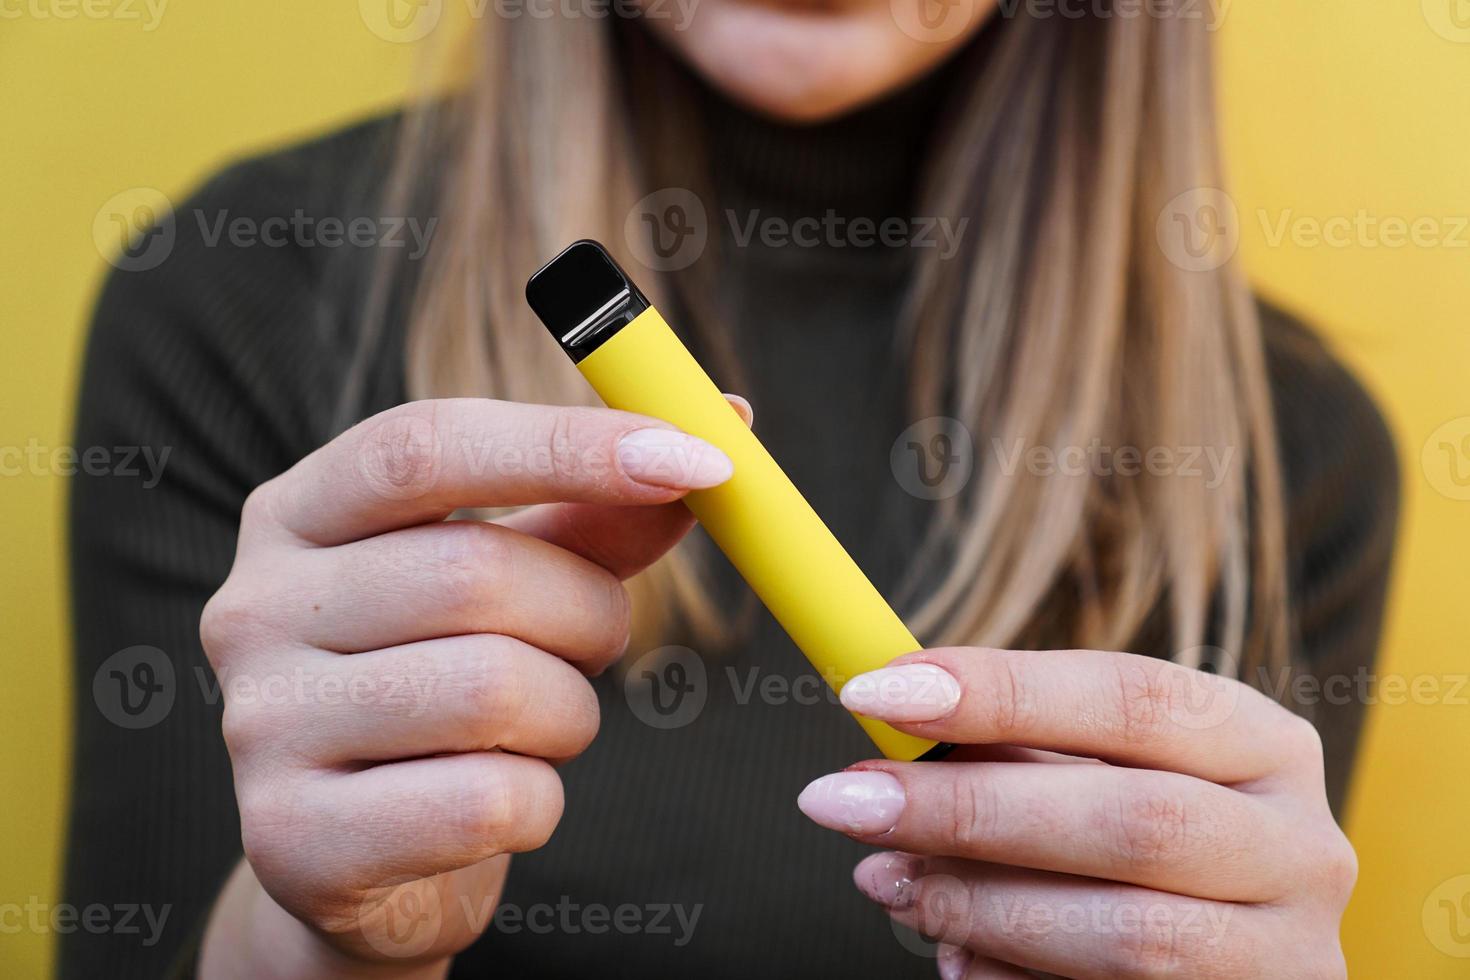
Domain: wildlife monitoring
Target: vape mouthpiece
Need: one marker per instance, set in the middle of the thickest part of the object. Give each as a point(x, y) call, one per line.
point(583, 298)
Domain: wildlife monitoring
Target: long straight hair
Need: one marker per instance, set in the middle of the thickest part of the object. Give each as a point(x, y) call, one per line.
point(1060, 322)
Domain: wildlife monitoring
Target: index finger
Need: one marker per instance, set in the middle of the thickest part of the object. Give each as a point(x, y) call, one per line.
point(422, 461)
point(1119, 707)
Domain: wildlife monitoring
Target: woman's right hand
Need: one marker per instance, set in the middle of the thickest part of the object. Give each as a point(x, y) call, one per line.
point(398, 687)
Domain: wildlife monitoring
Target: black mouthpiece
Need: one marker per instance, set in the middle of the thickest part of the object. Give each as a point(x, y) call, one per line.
point(583, 297)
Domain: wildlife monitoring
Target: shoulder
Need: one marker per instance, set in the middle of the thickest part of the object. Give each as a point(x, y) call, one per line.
point(1339, 468)
point(1340, 474)
point(324, 164)
point(244, 291)
point(1331, 435)
point(315, 185)
point(281, 208)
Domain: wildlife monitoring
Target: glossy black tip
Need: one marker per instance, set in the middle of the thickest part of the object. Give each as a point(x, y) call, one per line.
point(938, 752)
point(583, 297)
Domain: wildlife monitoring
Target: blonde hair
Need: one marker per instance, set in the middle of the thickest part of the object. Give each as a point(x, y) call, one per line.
point(1059, 322)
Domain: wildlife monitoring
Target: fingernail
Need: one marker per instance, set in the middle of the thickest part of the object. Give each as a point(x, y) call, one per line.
point(908, 692)
point(742, 407)
point(953, 961)
point(669, 458)
point(887, 879)
point(854, 802)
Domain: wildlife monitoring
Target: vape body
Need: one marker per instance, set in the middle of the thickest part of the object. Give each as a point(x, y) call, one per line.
point(758, 518)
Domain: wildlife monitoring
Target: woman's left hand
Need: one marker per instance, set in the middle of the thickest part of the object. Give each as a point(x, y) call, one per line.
point(1106, 815)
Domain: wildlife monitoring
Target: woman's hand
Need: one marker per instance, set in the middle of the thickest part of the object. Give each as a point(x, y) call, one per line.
point(1108, 815)
point(398, 687)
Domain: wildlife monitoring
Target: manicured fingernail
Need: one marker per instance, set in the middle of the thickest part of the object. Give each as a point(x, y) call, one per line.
point(854, 802)
point(887, 879)
point(953, 961)
point(742, 407)
point(668, 458)
point(908, 692)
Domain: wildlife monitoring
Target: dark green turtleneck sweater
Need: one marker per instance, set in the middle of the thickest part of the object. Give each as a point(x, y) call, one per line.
point(681, 852)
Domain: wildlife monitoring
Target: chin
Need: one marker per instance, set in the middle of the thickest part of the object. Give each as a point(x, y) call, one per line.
point(802, 64)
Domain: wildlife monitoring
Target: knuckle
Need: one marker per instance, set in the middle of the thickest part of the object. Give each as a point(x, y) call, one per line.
point(214, 625)
point(1184, 938)
point(399, 454)
point(242, 724)
point(1338, 868)
point(1344, 867)
point(557, 445)
point(1300, 739)
point(267, 819)
point(585, 721)
point(228, 617)
point(1144, 699)
point(619, 621)
point(1153, 949)
point(276, 830)
point(486, 810)
point(1154, 828)
point(969, 814)
point(540, 827)
point(259, 506)
point(495, 692)
point(1012, 702)
point(473, 566)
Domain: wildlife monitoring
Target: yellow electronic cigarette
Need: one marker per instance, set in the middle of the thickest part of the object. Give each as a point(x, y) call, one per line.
point(758, 518)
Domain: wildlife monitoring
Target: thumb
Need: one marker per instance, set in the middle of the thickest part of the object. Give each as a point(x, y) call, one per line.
point(623, 540)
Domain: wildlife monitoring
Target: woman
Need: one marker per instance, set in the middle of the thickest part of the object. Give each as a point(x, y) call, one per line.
point(401, 695)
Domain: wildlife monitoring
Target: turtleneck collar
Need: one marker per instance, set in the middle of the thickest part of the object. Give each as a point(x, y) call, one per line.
point(866, 163)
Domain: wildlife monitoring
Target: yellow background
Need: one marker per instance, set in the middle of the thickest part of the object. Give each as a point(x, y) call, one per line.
point(1330, 110)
